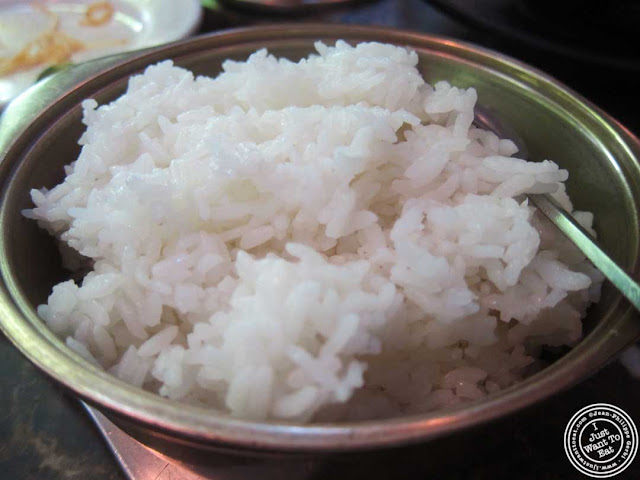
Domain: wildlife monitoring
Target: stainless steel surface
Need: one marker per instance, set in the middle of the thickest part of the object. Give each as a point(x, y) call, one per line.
point(563, 220)
point(27, 106)
point(554, 122)
point(137, 461)
point(587, 245)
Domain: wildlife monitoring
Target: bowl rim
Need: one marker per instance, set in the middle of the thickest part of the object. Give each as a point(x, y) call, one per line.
point(196, 425)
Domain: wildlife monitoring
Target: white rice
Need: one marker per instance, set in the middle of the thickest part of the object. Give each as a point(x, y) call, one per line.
point(326, 239)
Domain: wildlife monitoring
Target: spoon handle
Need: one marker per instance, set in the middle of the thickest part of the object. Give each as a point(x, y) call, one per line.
point(587, 245)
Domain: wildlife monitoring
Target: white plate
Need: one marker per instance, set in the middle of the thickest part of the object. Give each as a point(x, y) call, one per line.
point(136, 24)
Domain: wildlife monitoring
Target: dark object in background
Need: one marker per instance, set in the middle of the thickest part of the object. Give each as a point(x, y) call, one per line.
point(558, 37)
point(593, 23)
point(281, 6)
point(595, 32)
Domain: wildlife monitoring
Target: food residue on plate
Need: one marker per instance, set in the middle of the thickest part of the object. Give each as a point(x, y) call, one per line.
point(98, 13)
point(54, 45)
point(36, 36)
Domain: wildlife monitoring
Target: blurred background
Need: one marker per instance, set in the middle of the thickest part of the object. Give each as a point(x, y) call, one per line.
point(590, 46)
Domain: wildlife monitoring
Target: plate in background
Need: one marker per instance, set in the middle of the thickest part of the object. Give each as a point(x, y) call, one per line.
point(134, 24)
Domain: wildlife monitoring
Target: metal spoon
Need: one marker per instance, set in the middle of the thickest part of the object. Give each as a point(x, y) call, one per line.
point(562, 219)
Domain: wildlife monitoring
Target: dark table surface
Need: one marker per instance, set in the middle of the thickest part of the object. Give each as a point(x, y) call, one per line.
point(45, 434)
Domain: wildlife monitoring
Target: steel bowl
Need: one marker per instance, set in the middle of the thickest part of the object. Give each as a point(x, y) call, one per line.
point(39, 135)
